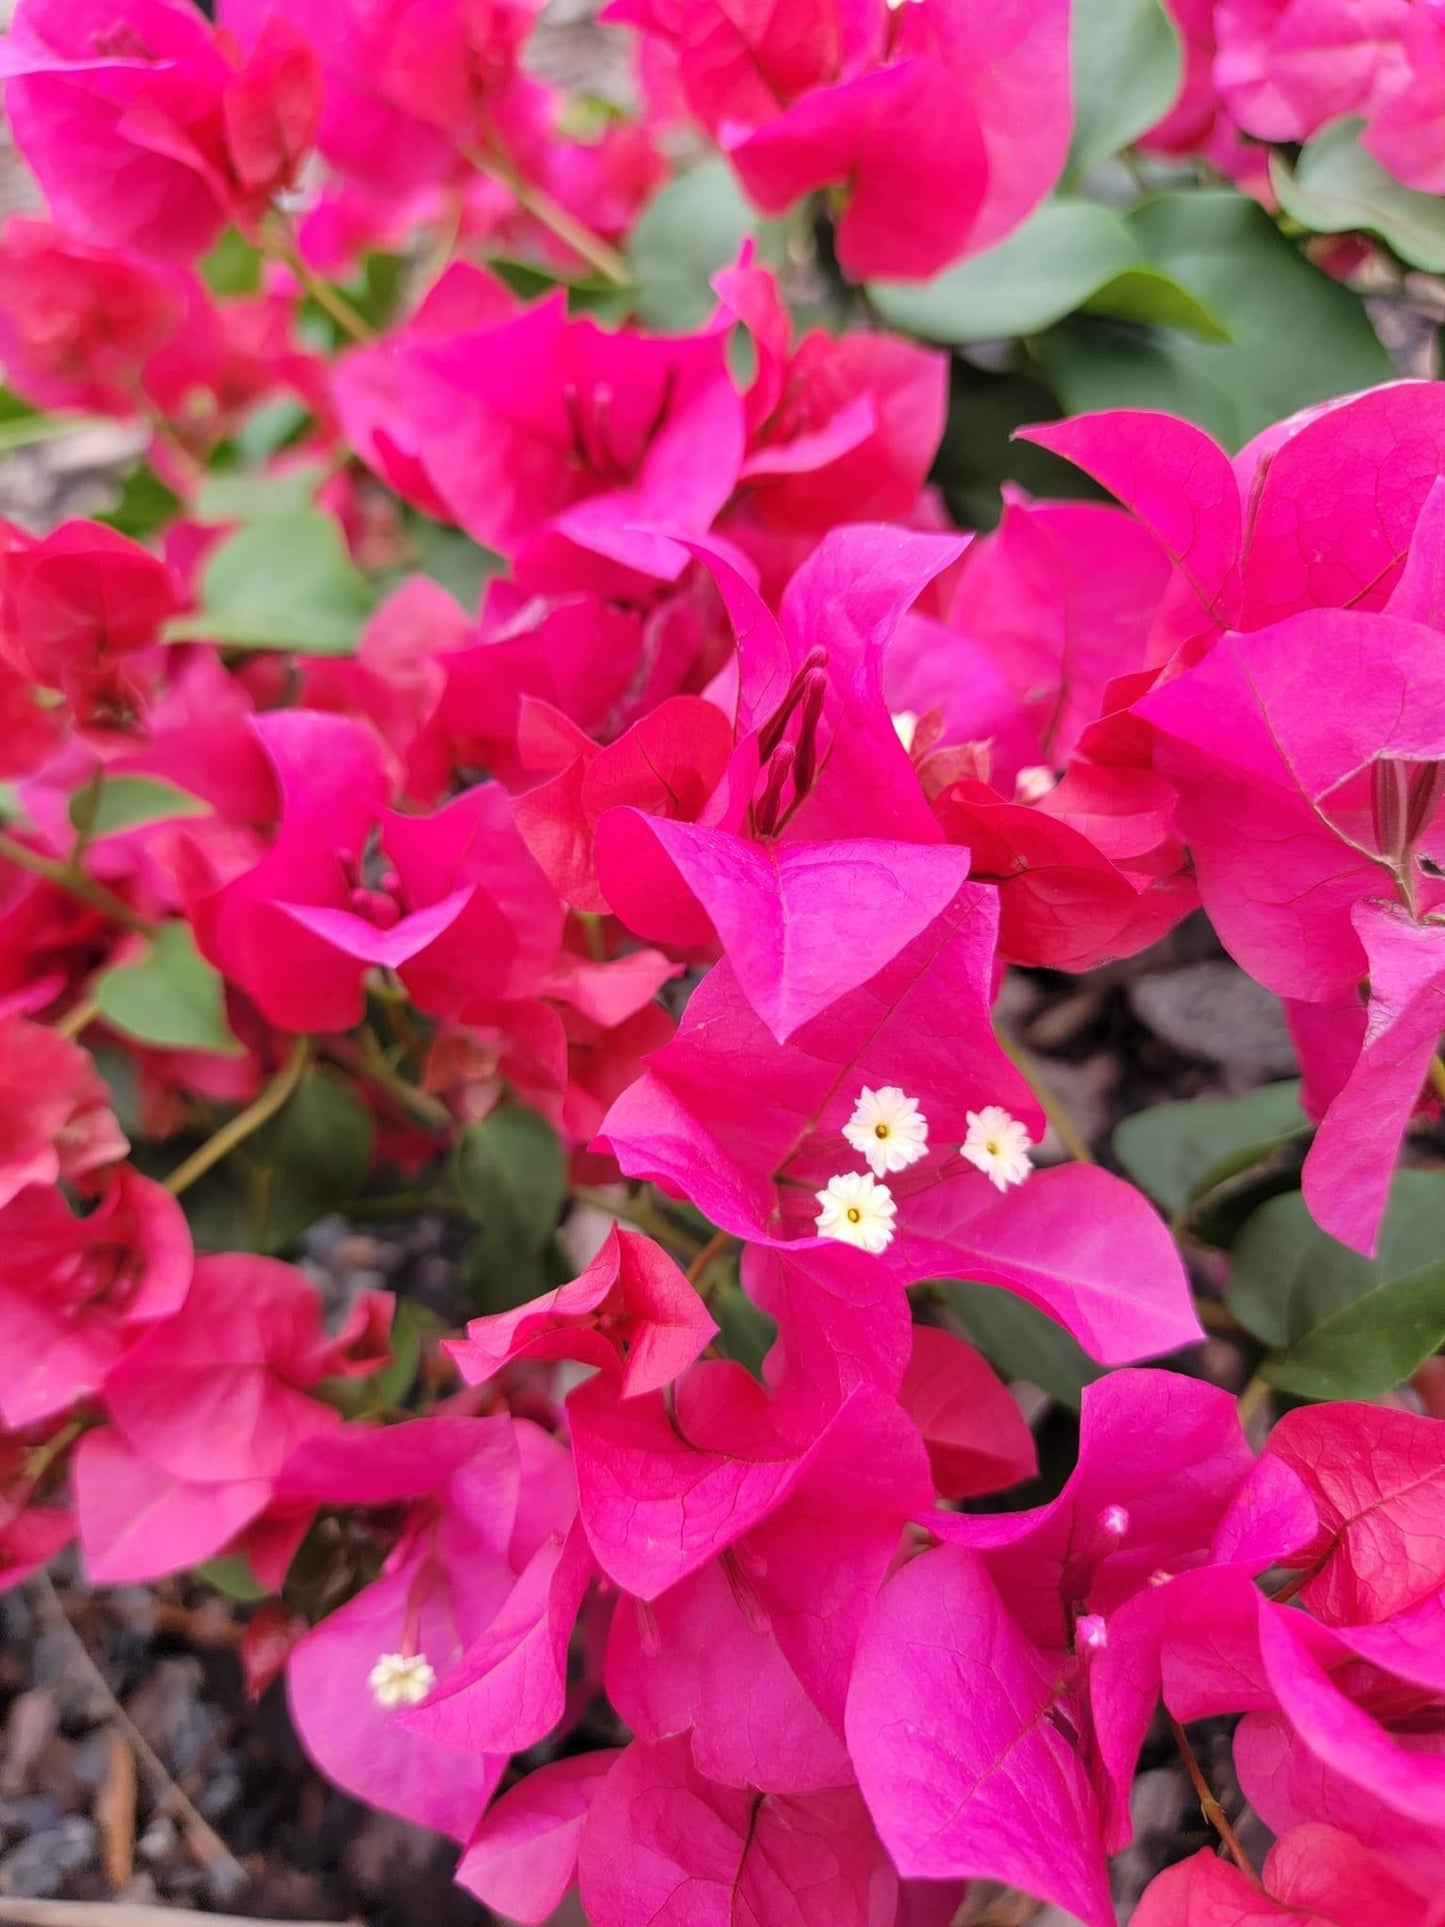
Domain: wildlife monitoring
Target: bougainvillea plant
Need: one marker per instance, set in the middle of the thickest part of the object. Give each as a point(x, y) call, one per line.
point(562, 729)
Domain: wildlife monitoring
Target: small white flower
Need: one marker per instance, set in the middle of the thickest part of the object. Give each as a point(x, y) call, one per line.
point(999, 1145)
point(401, 1679)
point(905, 721)
point(857, 1210)
point(887, 1129)
point(1033, 783)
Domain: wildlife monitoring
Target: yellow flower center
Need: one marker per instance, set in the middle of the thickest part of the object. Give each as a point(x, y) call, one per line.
point(880, 1130)
point(854, 1214)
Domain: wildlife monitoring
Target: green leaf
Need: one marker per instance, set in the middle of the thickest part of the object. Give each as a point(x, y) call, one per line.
point(689, 231)
point(274, 425)
point(745, 1331)
point(171, 998)
point(454, 559)
point(126, 802)
point(1022, 1341)
point(230, 1574)
point(314, 1156)
point(511, 1175)
point(586, 294)
point(145, 505)
point(1064, 253)
point(1370, 1346)
point(282, 582)
point(233, 266)
point(1296, 336)
point(1144, 294)
point(1128, 63)
point(978, 453)
point(241, 496)
point(1287, 1277)
point(1335, 187)
point(1180, 1152)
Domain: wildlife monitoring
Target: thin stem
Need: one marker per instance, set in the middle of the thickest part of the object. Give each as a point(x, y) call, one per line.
point(77, 1019)
point(259, 1111)
point(634, 1211)
point(715, 1246)
point(1213, 1812)
point(1253, 1399)
point(210, 1848)
point(1437, 1077)
point(39, 1462)
point(370, 1062)
point(285, 247)
point(1068, 1132)
point(84, 887)
point(1301, 1579)
point(572, 233)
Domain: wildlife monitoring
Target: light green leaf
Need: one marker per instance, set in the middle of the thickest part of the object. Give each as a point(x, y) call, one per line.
point(284, 581)
point(689, 231)
point(1128, 63)
point(1022, 1341)
point(1286, 1276)
point(1335, 187)
point(1064, 253)
point(126, 802)
point(1179, 1152)
point(243, 496)
point(1370, 1346)
point(1296, 336)
point(1144, 294)
point(171, 998)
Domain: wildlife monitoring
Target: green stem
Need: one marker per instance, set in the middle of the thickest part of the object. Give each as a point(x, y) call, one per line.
point(370, 1062)
point(1069, 1134)
point(1213, 1812)
point(84, 887)
point(572, 233)
point(259, 1111)
point(286, 248)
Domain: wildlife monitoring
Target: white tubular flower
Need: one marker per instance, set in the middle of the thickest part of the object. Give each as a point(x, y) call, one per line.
point(887, 1129)
point(401, 1679)
point(998, 1144)
point(857, 1210)
point(905, 722)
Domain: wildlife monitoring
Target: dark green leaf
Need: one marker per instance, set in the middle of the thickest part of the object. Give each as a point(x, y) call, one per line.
point(171, 998)
point(688, 232)
point(511, 1175)
point(1064, 253)
point(283, 582)
point(1335, 187)
point(145, 505)
point(1296, 336)
point(1022, 1342)
point(1127, 63)
point(1287, 1276)
point(516, 1153)
point(586, 294)
point(1370, 1346)
point(314, 1156)
point(745, 1332)
point(977, 454)
point(1179, 1152)
point(125, 802)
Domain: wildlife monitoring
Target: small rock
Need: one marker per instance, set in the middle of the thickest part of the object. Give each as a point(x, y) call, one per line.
point(37, 1868)
point(1213, 1011)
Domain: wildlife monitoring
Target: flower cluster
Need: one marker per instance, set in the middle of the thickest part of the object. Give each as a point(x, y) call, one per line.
point(1280, 71)
point(503, 753)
